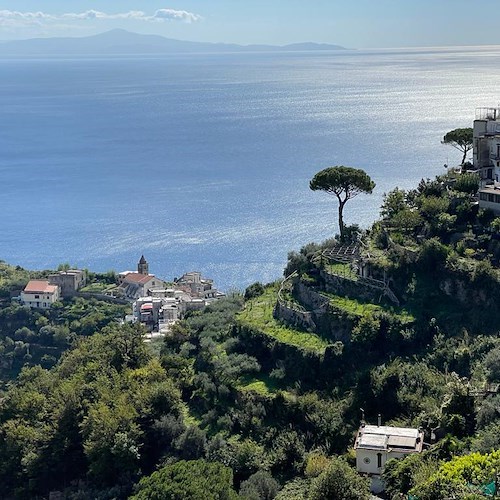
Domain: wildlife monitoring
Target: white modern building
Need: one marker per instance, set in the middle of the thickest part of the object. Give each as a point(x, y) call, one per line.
point(39, 294)
point(486, 143)
point(486, 156)
point(376, 444)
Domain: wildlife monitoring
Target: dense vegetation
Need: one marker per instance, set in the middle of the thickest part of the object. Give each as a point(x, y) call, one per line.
point(238, 402)
point(38, 337)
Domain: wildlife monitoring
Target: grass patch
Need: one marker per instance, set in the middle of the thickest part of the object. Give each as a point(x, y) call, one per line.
point(262, 384)
point(188, 417)
point(96, 288)
point(258, 314)
point(361, 308)
point(344, 270)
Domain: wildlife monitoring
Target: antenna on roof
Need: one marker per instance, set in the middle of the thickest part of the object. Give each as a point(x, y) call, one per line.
point(379, 422)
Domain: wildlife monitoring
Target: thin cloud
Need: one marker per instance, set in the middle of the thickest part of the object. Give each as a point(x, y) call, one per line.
point(12, 17)
point(174, 15)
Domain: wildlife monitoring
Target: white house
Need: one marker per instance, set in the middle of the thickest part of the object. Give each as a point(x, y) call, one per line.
point(486, 143)
point(376, 444)
point(39, 294)
point(486, 156)
point(489, 198)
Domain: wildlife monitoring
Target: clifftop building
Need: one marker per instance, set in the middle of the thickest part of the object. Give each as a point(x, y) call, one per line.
point(486, 156)
point(486, 143)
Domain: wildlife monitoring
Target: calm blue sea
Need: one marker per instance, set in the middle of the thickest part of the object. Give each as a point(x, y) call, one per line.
point(203, 162)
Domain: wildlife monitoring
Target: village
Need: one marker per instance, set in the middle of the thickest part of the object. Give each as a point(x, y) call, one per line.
point(156, 303)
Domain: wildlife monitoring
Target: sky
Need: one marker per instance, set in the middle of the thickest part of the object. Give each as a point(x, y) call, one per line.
point(353, 24)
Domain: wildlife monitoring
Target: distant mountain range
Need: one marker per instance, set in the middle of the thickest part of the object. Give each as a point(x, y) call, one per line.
point(122, 42)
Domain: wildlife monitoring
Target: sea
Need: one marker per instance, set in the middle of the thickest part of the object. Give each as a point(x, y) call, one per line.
point(203, 162)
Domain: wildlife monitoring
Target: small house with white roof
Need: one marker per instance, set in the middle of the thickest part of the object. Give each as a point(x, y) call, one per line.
point(376, 444)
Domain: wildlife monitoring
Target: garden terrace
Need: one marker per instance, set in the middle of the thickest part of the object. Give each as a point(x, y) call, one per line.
point(359, 308)
point(258, 315)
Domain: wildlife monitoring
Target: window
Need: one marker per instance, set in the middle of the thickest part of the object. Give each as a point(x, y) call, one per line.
point(37, 296)
point(366, 460)
point(379, 460)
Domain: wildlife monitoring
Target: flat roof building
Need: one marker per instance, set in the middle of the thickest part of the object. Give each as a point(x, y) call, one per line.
point(376, 444)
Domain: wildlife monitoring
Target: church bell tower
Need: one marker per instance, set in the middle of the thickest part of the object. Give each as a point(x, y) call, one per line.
point(143, 266)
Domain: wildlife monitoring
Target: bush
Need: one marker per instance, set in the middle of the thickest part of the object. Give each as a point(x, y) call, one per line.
point(339, 482)
point(254, 290)
point(432, 255)
point(467, 183)
point(407, 220)
point(316, 464)
point(366, 331)
point(259, 486)
point(432, 206)
point(492, 365)
point(394, 202)
point(453, 479)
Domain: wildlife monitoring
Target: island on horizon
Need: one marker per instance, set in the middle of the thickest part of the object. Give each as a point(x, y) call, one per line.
point(123, 42)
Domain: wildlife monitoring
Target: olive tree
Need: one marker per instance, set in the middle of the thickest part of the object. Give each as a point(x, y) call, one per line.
point(344, 183)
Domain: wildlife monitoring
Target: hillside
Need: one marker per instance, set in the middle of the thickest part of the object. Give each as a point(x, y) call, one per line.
point(261, 394)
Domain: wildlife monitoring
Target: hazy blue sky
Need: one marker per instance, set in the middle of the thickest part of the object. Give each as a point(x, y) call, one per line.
point(352, 23)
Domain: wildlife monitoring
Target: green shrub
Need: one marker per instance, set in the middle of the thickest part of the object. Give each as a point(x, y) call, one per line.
point(254, 290)
point(467, 183)
point(339, 482)
point(259, 486)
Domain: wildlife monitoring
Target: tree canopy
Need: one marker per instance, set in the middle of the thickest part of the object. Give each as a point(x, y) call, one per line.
point(343, 182)
point(339, 482)
point(188, 480)
point(461, 139)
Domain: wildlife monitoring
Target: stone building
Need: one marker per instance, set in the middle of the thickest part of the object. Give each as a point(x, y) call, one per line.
point(143, 266)
point(68, 281)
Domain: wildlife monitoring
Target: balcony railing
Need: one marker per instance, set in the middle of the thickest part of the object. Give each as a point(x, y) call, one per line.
point(488, 114)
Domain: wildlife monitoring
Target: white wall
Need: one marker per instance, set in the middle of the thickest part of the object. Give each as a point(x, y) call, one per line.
point(39, 300)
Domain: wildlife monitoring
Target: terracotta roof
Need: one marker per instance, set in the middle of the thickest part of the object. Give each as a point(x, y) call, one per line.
point(137, 278)
point(40, 286)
